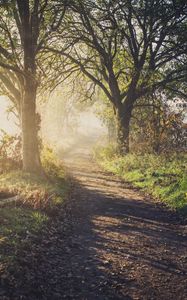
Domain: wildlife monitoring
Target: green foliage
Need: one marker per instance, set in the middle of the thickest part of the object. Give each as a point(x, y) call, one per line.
point(10, 152)
point(35, 191)
point(17, 225)
point(11, 157)
point(164, 176)
point(51, 164)
point(105, 153)
point(39, 200)
point(157, 127)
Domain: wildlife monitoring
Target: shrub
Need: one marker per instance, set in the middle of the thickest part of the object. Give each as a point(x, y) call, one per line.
point(10, 152)
point(51, 164)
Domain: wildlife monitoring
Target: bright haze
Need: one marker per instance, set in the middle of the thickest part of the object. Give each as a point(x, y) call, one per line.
point(7, 121)
point(74, 131)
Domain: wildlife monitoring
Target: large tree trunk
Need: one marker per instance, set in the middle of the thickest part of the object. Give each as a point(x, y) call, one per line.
point(123, 110)
point(31, 157)
point(123, 130)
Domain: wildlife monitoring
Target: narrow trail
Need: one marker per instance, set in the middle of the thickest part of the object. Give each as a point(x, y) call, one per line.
point(115, 244)
point(128, 246)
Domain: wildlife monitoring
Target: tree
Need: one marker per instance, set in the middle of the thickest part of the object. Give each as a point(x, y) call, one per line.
point(127, 48)
point(158, 124)
point(26, 26)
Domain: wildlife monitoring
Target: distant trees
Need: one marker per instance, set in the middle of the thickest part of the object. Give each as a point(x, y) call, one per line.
point(127, 48)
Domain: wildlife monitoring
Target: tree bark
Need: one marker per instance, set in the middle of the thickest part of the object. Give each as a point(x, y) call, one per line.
point(123, 110)
point(31, 157)
point(123, 130)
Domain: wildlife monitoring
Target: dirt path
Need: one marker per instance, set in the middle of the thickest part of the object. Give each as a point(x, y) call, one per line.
point(119, 245)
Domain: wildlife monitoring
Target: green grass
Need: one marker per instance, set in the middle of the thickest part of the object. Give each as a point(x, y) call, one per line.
point(37, 192)
point(16, 225)
point(164, 176)
point(40, 200)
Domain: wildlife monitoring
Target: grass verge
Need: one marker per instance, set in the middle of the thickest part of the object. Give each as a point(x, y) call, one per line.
point(163, 176)
point(39, 202)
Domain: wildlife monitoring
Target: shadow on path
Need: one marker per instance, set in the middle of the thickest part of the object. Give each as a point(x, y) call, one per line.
point(113, 244)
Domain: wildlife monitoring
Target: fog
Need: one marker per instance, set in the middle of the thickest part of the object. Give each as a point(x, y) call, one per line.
point(72, 132)
point(64, 126)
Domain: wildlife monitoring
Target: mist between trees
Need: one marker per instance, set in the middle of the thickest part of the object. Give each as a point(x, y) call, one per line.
point(127, 58)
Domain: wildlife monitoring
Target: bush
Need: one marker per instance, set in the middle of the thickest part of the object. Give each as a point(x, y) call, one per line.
point(10, 152)
point(108, 152)
point(11, 156)
point(51, 164)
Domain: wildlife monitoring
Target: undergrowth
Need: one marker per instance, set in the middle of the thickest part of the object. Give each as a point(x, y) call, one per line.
point(38, 200)
point(163, 176)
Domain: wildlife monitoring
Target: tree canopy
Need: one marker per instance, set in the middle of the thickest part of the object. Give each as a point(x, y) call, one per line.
point(128, 49)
